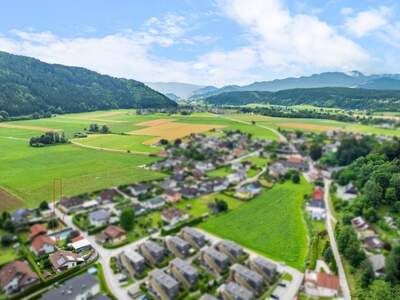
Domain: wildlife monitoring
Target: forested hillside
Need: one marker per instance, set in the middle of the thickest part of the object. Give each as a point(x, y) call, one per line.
point(28, 85)
point(347, 98)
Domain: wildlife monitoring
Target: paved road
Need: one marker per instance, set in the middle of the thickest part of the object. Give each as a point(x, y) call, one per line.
point(297, 277)
point(342, 275)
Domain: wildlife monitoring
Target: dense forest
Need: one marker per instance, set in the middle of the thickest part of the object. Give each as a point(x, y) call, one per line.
point(30, 86)
point(339, 97)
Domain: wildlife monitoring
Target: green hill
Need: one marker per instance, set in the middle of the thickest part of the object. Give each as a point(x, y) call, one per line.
point(28, 85)
point(346, 98)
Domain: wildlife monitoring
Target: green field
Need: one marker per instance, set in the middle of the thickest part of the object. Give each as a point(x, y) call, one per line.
point(272, 224)
point(29, 172)
point(119, 142)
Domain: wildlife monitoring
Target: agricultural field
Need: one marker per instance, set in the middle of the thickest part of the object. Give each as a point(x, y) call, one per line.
point(95, 162)
point(272, 224)
point(316, 125)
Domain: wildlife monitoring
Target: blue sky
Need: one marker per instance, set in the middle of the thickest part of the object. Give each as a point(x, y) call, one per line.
point(215, 42)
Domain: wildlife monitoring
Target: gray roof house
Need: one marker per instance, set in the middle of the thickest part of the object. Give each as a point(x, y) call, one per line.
point(216, 261)
point(264, 267)
point(178, 246)
point(99, 217)
point(194, 237)
point(163, 285)
point(377, 262)
point(231, 249)
point(232, 290)
point(133, 262)
point(81, 287)
point(247, 278)
point(152, 252)
point(184, 272)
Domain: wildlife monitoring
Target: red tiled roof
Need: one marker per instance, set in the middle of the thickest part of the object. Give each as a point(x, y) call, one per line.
point(295, 159)
point(37, 229)
point(171, 213)
point(16, 268)
point(78, 238)
point(318, 194)
point(328, 281)
point(61, 257)
point(113, 231)
point(40, 241)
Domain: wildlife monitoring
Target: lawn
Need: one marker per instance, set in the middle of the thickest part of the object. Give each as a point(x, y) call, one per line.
point(271, 224)
point(220, 172)
point(28, 173)
point(7, 254)
point(199, 206)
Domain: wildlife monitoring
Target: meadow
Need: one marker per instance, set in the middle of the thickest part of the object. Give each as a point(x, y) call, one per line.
point(272, 224)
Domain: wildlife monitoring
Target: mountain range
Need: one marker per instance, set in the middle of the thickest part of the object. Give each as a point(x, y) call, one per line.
point(28, 85)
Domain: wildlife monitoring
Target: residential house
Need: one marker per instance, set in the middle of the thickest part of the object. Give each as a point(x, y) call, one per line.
point(138, 189)
point(178, 246)
point(36, 230)
point(172, 196)
point(112, 235)
point(108, 196)
point(296, 162)
point(316, 209)
point(214, 260)
point(43, 245)
point(64, 260)
point(162, 285)
point(80, 245)
point(318, 284)
point(372, 243)
point(139, 209)
point(231, 249)
point(133, 262)
point(208, 297)
point(263, 267)
point(81, 287)
point(21, 216)
point(172, 216)
point(16, 276)
point(152, 252)
point(184, 272)
point(189, 192)
point(359, 224)
point(91, 204)
point(220, 184)
point(248, 191)
point(234, 291)
point(377, 262)
point(99, 217)
point(236, 177)
point(247, 278)
point(204, 166)
point(154, 203)
point(193, 237)
point(318, 194)
point(277, 169)
point(168, 184)
point(70, 205)
point(347, 192)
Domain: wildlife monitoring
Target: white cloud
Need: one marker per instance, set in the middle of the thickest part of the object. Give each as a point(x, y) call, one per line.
point(368, 21)
point(294, 42)
point(346, 11)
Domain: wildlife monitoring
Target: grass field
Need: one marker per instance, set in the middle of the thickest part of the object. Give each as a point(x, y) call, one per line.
point(317, 125)
point(29, 172)
point(272, 224)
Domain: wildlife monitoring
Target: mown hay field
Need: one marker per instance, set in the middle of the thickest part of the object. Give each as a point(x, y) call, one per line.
point(272, 224)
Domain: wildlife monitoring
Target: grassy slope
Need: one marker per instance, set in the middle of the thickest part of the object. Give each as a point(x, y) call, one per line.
point(29, 172)
point(272, 224)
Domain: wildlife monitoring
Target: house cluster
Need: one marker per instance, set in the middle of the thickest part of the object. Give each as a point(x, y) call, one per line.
point(61, 257)
point(174, 265)
point(316, 205)
point(280, 167)
point(321, 284)
point(372, 244)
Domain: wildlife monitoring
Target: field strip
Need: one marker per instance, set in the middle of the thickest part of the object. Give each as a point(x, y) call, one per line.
point(281, 137)
point(9, 200)
point(94, 120)
point(156, 122)
point(306, 126)
point(14, 138)
point(27, 127)
point(109, 149)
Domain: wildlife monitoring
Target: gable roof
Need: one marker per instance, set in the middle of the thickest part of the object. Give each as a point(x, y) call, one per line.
point(61, 257)
point(14, 269)
point(328, 281)
point(36, 230)
point(41, 240)
point(113, 231)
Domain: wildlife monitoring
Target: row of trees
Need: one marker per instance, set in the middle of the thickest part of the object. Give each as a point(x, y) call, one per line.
point(95, 128)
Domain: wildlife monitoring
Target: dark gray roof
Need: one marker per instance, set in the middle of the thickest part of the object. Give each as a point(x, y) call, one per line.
point(99, 215)
point(215, 254)
point(194, 233)
point(265, 263)
point(163, 279)
point(247, 273)
point(71, 288)
point(238, 292)
point(178, 241)
point(184, 266)
point(208, 297)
